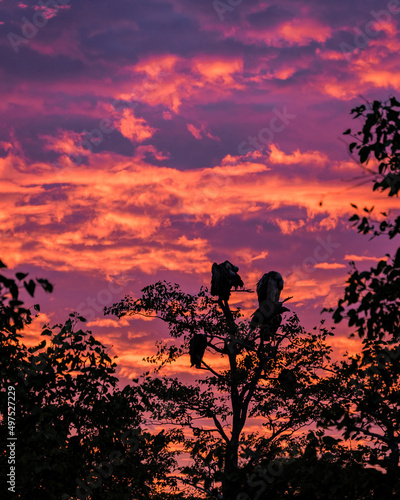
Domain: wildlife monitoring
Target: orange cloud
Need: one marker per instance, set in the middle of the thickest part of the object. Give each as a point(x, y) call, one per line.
point(169, 80)
point(105, 322)
point(310, 157)
point(196, 133)
point(135, 129)
point(373, 65)
point(219, 71)
point(330, 265)
point(289, 226)
point(301, 31)
point(65, 142)
point(124, 209)
point(200, 133)
point(360, 258)
point(344, 345)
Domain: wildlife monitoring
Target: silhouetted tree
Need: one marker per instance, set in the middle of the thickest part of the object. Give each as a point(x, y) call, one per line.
point(272, 378)
point(77, 433)
point(366, 404)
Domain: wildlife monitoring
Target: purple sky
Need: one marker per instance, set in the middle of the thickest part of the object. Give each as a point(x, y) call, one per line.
point(144, 140)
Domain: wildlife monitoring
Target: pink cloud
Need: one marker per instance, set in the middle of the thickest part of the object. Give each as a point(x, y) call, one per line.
point(196, 133)
point(135, 129)
point(170, 80)
point(310, 157)
point(330, 265)
point(361, 258)
point(302, 30)
point(138, 202)
point(201, 132)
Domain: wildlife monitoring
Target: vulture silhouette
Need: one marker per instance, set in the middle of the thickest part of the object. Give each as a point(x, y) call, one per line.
point(197, 347)
point(269, 308)
point(224, 277)
point(269, 287)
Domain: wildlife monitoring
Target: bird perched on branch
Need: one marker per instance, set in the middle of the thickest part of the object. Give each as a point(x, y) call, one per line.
point(269, 287)
point(224, 277)
point(197, 347)
point(269, 308)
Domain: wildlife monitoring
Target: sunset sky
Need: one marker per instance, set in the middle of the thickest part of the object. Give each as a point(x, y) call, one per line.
point(144, 140)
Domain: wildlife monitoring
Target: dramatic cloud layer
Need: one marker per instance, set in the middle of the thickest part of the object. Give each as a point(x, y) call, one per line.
point(145, 140)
